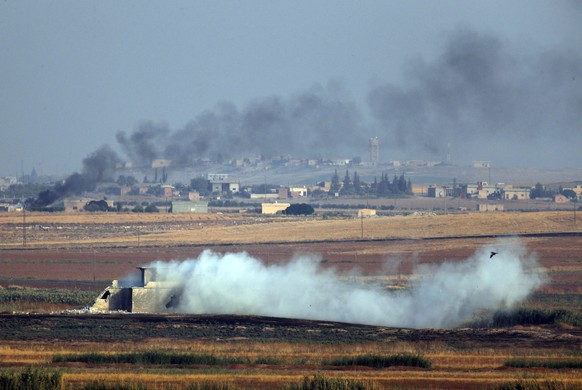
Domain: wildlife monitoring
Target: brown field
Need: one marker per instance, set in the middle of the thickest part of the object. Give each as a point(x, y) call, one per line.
point(88, 250)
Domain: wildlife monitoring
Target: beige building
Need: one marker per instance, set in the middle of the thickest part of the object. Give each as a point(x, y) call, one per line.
point(76, 205)
point(577, 190)
point(561, 199)
point(298, 192)
point(486, 207)
point(364, 213)
point(516, 193)
point(273, 208)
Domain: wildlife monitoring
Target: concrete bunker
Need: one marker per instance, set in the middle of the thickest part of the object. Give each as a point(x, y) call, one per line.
point(146, 295)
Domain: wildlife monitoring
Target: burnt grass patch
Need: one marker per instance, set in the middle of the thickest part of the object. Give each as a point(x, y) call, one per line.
point(138, 327)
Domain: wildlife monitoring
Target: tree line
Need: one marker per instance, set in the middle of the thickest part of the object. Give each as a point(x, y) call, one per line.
point(353, 185)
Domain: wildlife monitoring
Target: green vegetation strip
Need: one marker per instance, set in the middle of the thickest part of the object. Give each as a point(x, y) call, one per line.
point(529, 316)
point(157, 357)
point(379, 361)
point(30, 378)
point(319, 381)
point(545, 363)
point(96, 385)
point(53, 295)
point(533, 384)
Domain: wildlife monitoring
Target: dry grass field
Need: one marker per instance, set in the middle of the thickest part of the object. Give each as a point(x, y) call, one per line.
point(113, 229)
point(86, 251)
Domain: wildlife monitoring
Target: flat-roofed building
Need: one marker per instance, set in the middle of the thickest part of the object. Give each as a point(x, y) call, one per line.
point(273, 208)
point(198, 207)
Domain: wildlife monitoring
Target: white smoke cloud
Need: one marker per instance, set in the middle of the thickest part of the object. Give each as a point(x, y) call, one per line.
point(445, 295)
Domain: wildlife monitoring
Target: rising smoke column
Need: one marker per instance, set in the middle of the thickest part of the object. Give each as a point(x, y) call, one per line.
point(99, 166)
point(321, 121)
point(484, 97)
point(445, 295)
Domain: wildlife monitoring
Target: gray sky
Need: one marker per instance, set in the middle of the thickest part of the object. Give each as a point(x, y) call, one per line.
point(73, 74)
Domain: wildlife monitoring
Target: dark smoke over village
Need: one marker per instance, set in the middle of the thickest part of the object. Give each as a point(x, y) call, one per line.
point(97, 167)
point(484, 98)
point(480, 98)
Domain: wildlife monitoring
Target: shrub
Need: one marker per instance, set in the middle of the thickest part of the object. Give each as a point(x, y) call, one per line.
point(378, 361)
point(151, 209)
point(299, 209)
point(547, 363)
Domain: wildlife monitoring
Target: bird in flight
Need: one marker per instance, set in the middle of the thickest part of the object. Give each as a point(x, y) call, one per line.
point(492, 254)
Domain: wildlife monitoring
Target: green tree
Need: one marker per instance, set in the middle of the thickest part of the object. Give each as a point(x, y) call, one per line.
point(357, 184)
point(571, 194)
point(200, 185)
point(384, 188)
point(540, 191)
point(96, 205)
point(348, 187)
point(335, 184)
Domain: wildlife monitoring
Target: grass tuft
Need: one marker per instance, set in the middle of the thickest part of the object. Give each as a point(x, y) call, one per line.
point(320, 382)
point(532, 384)
point(31, 378)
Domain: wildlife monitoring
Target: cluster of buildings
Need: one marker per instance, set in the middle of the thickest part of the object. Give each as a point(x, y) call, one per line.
point(499, 191)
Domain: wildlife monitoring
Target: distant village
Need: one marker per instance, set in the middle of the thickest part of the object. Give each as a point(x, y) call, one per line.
point(151, 189)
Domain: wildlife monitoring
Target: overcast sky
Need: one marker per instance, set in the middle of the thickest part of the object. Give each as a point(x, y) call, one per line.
point(74, 74)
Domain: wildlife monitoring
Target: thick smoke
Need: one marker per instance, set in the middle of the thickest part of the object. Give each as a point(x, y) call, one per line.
point(321, 122)
point(480, 98)
point(99, 166)
point(485, 99)
point(444, 295)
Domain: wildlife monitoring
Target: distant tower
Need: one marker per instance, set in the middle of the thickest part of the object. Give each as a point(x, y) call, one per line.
point(374, 150)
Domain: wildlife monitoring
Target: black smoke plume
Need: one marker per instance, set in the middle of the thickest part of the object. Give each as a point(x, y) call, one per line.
point(486, 99)
point(97, 167)
point(480, 96)
point(322, 121)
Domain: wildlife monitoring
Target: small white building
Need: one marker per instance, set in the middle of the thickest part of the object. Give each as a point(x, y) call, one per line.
point(198, 207)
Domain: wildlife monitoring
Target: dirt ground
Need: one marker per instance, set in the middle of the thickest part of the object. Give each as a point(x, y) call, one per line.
point(71, 252)
point(135, 328)
point(95, 268)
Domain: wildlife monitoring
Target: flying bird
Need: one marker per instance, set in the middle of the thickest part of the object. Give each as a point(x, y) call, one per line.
point(492, 254)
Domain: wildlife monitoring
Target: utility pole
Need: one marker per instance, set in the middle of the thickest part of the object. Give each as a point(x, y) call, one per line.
point(445, 200)
point(23, 225)
point(362, 224)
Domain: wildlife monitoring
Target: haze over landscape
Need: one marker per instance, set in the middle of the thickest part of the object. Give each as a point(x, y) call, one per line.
point(497, 81)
